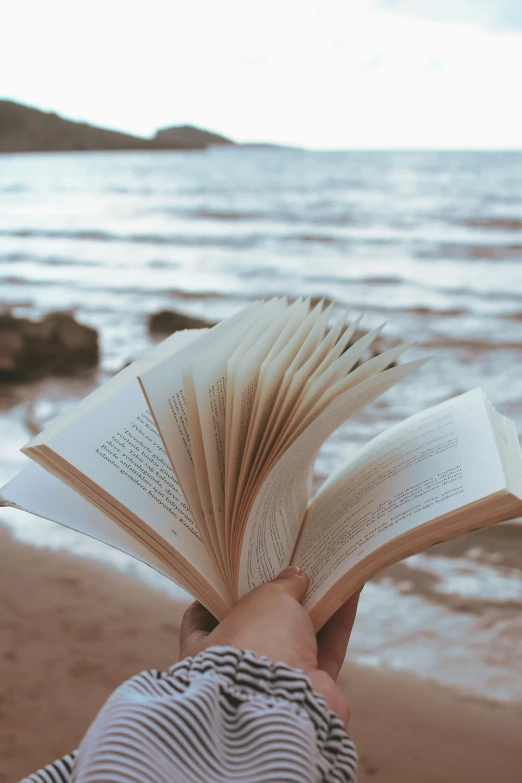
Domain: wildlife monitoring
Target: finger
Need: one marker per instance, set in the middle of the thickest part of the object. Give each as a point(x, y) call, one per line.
point(196, 625)
point(333, 638)
point(293, 581)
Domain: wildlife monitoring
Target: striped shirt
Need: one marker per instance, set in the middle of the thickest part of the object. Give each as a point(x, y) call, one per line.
point(223, 716)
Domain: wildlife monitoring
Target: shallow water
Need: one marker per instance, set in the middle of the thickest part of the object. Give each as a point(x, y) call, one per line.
point(429, 242)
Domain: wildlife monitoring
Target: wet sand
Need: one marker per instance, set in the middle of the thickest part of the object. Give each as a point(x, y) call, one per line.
point(72, 629)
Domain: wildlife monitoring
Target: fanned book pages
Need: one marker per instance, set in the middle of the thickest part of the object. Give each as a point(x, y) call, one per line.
point(198, 460)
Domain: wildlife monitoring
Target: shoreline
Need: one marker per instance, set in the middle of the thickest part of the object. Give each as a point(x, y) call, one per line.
point(72, 629)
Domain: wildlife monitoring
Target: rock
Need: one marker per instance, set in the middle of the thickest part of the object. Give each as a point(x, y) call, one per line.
point(55, 345)
point(168, 321)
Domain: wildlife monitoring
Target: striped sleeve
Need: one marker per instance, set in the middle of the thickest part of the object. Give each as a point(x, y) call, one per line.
point(224, 715)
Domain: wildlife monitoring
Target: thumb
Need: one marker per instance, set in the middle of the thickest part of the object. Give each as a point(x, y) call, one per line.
point(196, 625)
point(293, 581)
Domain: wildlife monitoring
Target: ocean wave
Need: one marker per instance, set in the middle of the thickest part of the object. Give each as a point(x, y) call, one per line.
point(308, 216)
point(15, 257)
point(468, 252)
point(179, 240)
point(515, 316)
point(243, 242)
point(382, 280)
point(248, 239)
point(178, 293)
point(338, 280)
point(41, 233)
point(431, 312)
point(14, 281)
point(470, 344)
point(421, 310)
point(195, 239)
point(315, 238)
point(499, 224)
point(159, 263)
point(211, 215)
point(46, 261)
point(497, 296)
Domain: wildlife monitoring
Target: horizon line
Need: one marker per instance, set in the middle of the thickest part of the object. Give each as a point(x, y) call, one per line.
point(252, 143)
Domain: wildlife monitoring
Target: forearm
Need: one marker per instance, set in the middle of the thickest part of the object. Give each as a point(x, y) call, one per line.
point(223, 715)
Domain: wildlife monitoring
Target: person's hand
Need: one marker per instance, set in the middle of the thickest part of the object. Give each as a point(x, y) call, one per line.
point(271, 621)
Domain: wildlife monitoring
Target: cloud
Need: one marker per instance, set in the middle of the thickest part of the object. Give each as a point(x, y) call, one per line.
point(434, 65)
point(493, 14)
point(374, 63)
point(253, 62)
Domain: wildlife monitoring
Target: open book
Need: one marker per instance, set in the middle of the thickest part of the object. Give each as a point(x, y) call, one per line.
point(198, 459)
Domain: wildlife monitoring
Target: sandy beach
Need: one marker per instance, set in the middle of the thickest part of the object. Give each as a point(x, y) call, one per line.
point(73, 629)
point(128, 235)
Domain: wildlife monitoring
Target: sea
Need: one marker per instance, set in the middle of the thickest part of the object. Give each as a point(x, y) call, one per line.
point(428, 242)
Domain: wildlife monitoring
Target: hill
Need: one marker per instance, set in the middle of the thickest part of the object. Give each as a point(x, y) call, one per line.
point(26, 129)
point(186, 135)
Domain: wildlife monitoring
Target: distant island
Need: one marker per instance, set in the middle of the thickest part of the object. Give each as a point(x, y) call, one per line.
point(26, 129)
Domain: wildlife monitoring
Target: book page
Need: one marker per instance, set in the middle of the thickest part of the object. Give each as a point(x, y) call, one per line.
point(278, 509)
point(266, 390)
point(207, 375)
point(362, 373)
point(38, 492)
point(117, 446)
point(509, 449)
point(321, 378)
point(164, 389)
point(309, 357)
point(433, 463)
point(252, 351)
point(202, 487)
point(340, 368)
point(338, 338)
point(159, 353)
point(368, 370)
point(328, 350)
point(281, 369)
point(243, 375)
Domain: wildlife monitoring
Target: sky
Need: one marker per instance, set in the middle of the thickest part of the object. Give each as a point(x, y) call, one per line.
point(329, 74)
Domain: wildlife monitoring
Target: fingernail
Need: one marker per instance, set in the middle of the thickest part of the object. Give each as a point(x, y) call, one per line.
point(292, 570)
